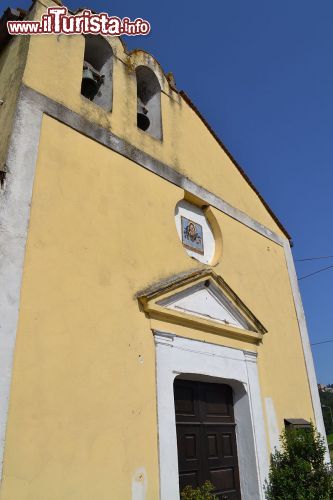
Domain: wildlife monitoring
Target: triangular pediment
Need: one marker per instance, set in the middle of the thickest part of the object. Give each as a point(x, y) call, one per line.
point(203, 300)
point(206, 301)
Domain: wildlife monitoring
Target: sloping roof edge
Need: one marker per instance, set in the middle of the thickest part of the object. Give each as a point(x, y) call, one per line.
point(186, 98)
point(20, 14)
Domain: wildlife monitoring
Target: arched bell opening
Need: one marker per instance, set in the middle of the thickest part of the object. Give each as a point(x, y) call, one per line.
point(96, 82)
point(148, 102)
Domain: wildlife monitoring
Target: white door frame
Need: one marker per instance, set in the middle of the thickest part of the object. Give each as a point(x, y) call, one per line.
point(178, 355)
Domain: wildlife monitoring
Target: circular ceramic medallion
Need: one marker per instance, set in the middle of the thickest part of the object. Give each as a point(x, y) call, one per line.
point(195, 232)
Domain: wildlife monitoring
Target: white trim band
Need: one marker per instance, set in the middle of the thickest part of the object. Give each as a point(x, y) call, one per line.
point(14, 220)
point(319, 421)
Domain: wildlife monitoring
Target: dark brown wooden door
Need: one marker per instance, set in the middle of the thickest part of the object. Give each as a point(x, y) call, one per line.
point(206, 437)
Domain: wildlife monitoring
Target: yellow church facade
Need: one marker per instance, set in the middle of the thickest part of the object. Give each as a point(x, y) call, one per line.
point(152, 332)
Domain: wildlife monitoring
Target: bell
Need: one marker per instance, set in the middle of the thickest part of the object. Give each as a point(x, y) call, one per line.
point(143, 121)
point(89, 86)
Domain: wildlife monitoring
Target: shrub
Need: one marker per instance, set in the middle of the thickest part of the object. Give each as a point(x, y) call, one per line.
point(298, 471)
point(203, 492)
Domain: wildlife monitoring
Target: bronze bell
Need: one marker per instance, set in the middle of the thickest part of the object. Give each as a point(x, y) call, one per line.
point(143, 121)
point(89, 84)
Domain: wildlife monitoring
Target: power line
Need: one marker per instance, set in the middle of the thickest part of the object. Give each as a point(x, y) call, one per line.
point(315, 258)
point(315, 272)
point(322, 342)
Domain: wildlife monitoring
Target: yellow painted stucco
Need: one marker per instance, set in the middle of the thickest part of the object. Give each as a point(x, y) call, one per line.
point(82, 416)
point(82, 419)
point(187, 144)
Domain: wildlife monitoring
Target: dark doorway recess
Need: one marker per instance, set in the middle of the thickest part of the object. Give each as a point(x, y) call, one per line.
point(206, 437)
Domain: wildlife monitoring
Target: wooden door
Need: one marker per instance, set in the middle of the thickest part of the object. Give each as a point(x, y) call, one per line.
point(206, 437)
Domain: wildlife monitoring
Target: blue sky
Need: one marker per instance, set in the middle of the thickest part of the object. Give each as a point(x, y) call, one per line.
point(262, 75)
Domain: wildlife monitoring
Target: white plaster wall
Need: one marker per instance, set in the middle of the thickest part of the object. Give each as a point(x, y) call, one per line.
point(14, 218)
point(273, 428)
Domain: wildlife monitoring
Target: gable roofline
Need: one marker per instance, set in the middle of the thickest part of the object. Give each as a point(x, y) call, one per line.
point(186, 98)
point(20, 14)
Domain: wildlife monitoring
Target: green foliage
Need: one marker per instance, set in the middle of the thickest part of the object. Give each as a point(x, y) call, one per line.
point(203, 492)
point(330, 438)
point(298, 471)
point(326, 399)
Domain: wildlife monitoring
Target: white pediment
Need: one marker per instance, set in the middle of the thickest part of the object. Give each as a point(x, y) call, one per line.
point(207, 301)
point(204, 301)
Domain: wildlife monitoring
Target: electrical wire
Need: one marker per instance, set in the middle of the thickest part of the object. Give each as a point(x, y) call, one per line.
point(322, 342)
point(315, 272)
point(311, 274)
point(315, 258)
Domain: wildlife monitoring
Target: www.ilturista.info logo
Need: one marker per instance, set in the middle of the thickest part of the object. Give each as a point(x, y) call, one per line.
point(58, 21)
